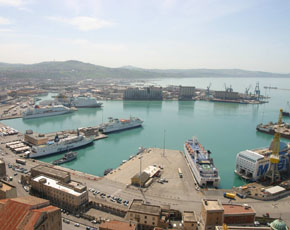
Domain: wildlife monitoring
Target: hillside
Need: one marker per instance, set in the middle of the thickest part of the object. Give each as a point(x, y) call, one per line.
point(77, 69)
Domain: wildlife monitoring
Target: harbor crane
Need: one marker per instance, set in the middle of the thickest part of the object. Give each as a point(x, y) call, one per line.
point(257, 90)
point(207, 89)
point(228, 89)
point(247, 90)
point(273, 172)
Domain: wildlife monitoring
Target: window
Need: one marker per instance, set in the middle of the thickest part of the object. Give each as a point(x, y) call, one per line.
point(145, 222)
point(153, 223)
point(145, 217)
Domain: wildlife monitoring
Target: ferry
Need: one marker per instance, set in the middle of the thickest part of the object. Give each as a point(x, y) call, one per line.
point(85, 102)
point(252, 165)
point(201, 164)
point(46, 111)
point(115, 125)
point(60, 145)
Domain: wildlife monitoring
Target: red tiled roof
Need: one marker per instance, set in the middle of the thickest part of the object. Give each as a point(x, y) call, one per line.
point(237, 209)
point(117, 225)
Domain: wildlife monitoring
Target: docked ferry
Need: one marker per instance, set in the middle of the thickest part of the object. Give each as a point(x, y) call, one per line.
point(115, 125)
point(60, 145)
point(46, 111)
point(201, 164)
point(252, 165)
point(85, 102)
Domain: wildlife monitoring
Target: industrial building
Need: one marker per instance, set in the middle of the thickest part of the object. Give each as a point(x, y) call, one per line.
point(51, 172)
point(35, 138)
point(7, 190)
point(227, 95)
point(212, 214)
point(147, 216)
point(72, 196)
point(145, 179)
point(147, 93)
point(186, 92)
point(2, 169)
point(29, 213)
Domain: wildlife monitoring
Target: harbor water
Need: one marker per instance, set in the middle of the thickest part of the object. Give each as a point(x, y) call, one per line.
point(223, 128)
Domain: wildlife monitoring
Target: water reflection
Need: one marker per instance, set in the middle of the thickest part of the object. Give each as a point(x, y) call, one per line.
point(144, 105)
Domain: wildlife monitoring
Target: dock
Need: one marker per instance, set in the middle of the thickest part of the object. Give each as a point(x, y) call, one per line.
point(272, 128)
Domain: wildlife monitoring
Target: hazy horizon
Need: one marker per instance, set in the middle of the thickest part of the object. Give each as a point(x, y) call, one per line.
point(155, 34)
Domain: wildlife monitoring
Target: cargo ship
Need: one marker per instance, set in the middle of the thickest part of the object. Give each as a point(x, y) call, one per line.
point(60, 145)
point(69, 156)
point(46, 111)
point(115, 125)
point(252, 164)
point(201, 164)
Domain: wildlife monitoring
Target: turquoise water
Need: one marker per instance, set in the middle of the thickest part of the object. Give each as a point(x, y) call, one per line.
point(223, 128)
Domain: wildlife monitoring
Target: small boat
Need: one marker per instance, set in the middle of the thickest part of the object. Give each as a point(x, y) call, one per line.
point(107, 171)
point(70, 156)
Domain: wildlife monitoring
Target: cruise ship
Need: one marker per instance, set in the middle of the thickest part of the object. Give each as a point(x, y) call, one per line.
point(60, 145)
point(85, 102)
point(46, 111)
point(252, 164)
point(115, 125)
point(201, 164)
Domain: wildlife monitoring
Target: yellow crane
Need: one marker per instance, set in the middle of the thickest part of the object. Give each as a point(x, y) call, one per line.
point(273, 172)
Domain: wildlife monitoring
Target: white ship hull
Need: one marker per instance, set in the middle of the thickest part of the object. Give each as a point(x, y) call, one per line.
point(49, 114)
point(59, 147)
point(202, 181)
point(96, 105)
point(85, 102)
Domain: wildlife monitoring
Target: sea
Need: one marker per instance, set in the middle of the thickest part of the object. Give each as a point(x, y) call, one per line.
point(223, 128)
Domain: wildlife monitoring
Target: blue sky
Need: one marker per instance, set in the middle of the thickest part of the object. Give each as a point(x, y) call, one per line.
point(246, 34)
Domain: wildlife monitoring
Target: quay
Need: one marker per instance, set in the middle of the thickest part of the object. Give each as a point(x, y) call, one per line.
point(272, 128)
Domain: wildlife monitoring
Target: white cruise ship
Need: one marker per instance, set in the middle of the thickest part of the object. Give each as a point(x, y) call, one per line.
point(46, 111)
point(253, 164)
point(201, 164)
point(115, 125)
point(60, 145)
point(85, 102)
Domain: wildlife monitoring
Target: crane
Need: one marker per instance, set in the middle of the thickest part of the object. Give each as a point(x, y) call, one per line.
point(228, 89)
point(247, 90)
point(207, 89)
point(273, 172)
point(257, 90)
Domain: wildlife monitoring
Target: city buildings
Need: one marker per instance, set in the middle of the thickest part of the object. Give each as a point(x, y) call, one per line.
point(212, 214)
point(189, 220)
point(2, 169)
point(146, 93)
point(186, 92)
point(28, 213)
point(117, 225)
point(236, 214)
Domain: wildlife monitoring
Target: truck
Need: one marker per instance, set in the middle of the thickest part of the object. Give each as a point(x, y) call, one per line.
point(21, 161)
point(229, 195)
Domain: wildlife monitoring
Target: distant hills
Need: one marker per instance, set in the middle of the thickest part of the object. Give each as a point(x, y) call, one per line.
point(81, 70)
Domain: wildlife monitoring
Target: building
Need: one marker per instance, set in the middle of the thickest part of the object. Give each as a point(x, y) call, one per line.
point(72, 196)
point(117, 225)
point(147, 216)
point(236, 214)
point(189, 221)
point(28, 213)
point(2, 169)
point(7, 190)
point(242, 228)
point(186, 92)
point(50, 172)
point(227, 95)
point(138, 180)
point(35, 138)
point(147, 93)
point(212, 214)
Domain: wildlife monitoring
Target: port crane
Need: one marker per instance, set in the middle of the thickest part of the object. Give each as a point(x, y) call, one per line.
point(257, 90)
point(247, 90)
point(228, 89)
point(207, 89)
point(273, 172)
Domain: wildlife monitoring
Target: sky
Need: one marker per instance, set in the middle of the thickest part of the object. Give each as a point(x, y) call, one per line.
point(163, 34)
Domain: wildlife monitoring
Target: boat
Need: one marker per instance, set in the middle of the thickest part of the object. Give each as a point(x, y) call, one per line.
point(69, 156)
point(268, 128)
point(252, 164)
point(60, 145)
point(286, 114)
point(46, 111)
point(201, 164)
point(85, 102)
point(107, 171)
point(115, 125)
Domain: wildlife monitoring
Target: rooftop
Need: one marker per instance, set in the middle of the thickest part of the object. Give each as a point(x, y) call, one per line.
point(117, 225)
point(189, 216)
point(212, 205)
point(139, 206)
point(50, 170)
point(235, 209)
point(274, 190)
point(251, 155)
point(55, 184)
point(5, 186)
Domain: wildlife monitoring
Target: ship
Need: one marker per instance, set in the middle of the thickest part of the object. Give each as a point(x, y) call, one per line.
point(60, 145)
point(253, 164)
point(85, 102)
point(115, 125)
point(107, 171)
point(201, 164)
point(46, 111)
point(69, 156)
point(286, 114)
